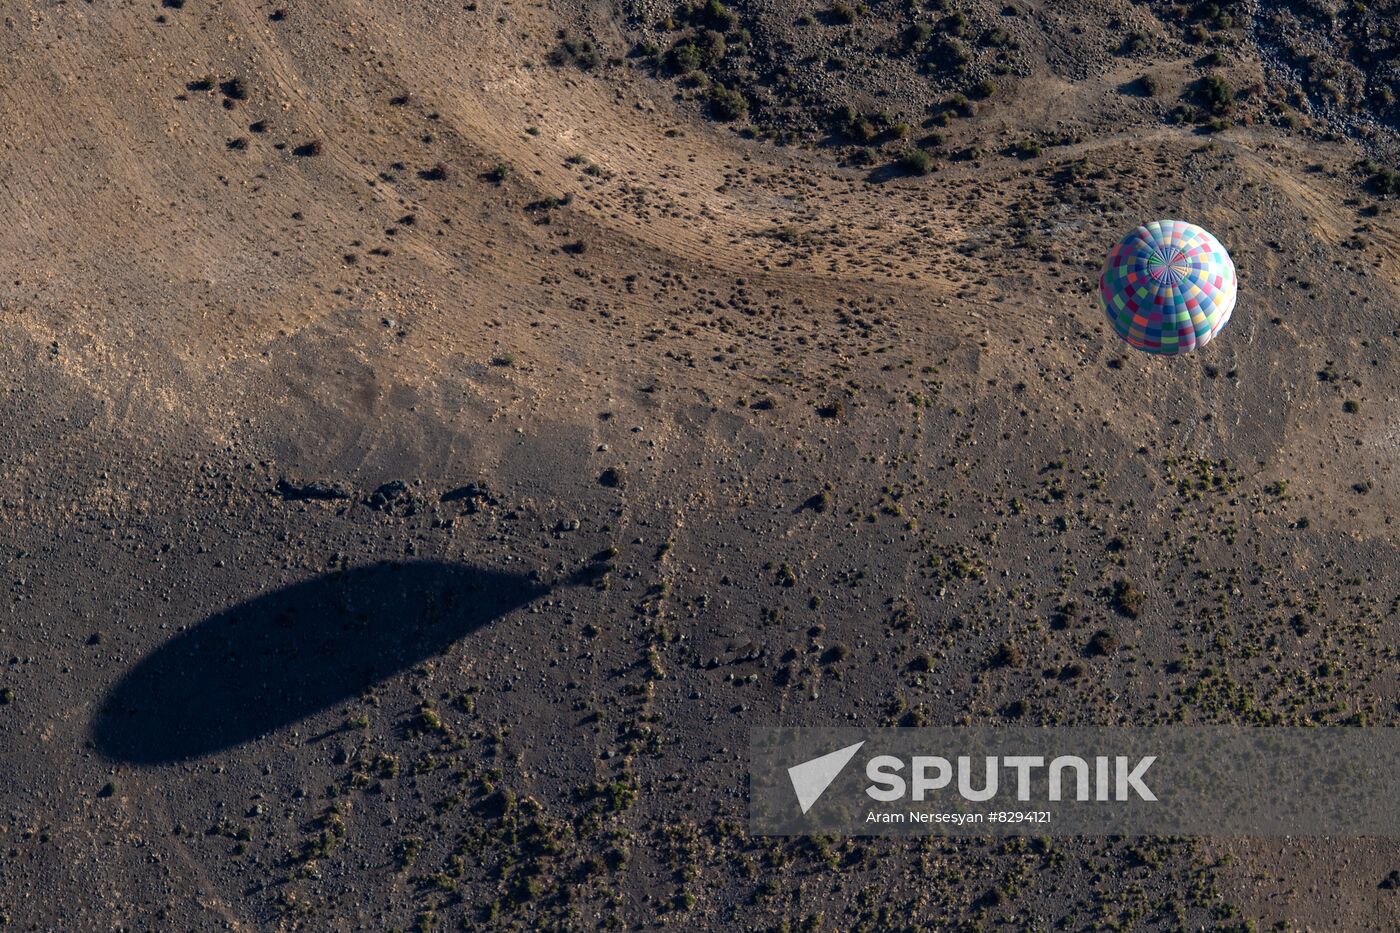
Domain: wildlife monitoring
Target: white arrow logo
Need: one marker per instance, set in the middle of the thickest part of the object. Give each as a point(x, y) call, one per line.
point(811, 778)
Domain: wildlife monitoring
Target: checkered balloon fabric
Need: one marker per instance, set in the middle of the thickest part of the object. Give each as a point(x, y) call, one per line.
point(1168, 287)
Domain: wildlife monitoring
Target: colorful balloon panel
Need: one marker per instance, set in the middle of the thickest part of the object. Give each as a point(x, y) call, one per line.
point(1168, 287)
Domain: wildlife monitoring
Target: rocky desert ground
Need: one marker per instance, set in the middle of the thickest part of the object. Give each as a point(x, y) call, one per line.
point(432, 434)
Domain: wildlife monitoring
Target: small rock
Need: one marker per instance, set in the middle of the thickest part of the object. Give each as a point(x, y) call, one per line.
point(293, 492)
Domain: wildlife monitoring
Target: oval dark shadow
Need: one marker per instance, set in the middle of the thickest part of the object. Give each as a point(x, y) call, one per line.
point(279, 657)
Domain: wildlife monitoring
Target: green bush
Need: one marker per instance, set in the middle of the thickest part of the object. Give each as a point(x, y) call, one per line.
point(1027, 148)
point(684, 57)
point(1127, 599)
point(1214, 92)
point(861, 129)
point(720, 15)
point(1385, 181)
point(1137, 42)
point(842, 12)
point(726, 104)
point(916, 162)
point(578, 51)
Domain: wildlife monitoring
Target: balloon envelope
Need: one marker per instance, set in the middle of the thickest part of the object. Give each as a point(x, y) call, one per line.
point(1168, 287)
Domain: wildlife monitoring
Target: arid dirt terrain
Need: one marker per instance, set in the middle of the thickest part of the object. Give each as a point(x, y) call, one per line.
point(432, 435)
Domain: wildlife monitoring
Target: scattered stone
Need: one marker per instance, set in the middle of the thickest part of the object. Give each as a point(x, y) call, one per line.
point(393, 496)
point(474, 497)
point(318, 489)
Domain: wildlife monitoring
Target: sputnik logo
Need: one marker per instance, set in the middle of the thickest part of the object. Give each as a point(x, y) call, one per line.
point(811, 778)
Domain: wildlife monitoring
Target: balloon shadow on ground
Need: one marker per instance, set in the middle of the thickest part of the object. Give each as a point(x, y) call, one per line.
point(278, 658)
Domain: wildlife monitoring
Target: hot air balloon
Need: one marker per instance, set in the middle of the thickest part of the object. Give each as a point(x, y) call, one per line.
point(1168, 287)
